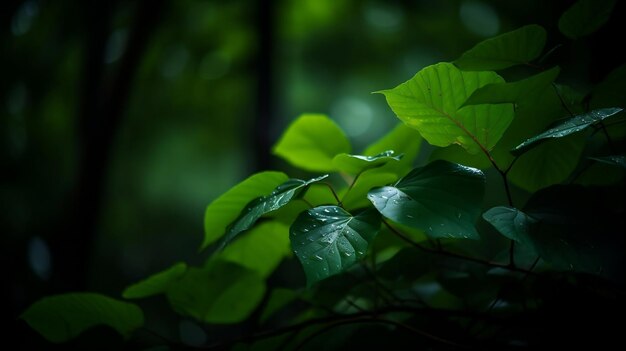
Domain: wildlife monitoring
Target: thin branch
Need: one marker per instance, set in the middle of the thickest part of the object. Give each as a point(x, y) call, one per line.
point(455, 255)
point(351, 186)
point(571, 114)
point(332, 191)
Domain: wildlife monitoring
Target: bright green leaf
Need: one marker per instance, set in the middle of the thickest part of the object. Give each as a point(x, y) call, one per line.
point(225, 209)
point(261, 249)
point(512, 92)
point(571, 125)
point(512, 223)
point(431, 103)
point(328, 240)
point(355, 164)
point(441, 198)
point(311, 142)
point(156, 283)
point(614, 160)
point(63, 317)
point(221, 292)
point(265, 204)
point(585, 17)
point(509, 49)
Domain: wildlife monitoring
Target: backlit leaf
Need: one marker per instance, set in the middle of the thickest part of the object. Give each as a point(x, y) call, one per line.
point(432, 100)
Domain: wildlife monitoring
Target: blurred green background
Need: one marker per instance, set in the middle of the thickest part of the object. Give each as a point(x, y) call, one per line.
point(121, 120)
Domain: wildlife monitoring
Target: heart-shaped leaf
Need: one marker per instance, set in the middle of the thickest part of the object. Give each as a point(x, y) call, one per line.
point(432, 100)
point(220, 292)
point(441, 198)
point(585, 17)
point(63, 317)
point(265, 204)
point(512, 223)
point(509, 49)
point(570, 126)
point(155, 284)
point(311, 142)
point(328, 240)
point(355, 164)
point(225, 209)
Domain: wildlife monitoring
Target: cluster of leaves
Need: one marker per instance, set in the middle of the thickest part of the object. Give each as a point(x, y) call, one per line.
point(432, 263)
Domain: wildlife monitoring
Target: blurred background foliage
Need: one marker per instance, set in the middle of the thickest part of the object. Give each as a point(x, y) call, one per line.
point(121, 120)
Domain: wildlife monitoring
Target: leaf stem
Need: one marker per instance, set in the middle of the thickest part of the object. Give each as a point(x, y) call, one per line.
point(333, 192)
point(607, 136)
point(351, 185)
point(571, 114)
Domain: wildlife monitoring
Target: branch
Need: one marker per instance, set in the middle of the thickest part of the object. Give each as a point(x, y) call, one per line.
point(455, 255)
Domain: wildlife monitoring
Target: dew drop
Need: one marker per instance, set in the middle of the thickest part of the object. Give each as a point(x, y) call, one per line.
point(347, 254)
point(410, 216)
point(318, 257)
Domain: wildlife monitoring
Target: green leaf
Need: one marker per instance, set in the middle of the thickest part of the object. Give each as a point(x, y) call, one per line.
point(328, 240)
point(278, 299)
point(512, 223)
point(311, 142)
point(442, 198)
point(579, 228)
point(585, 17)
point(265, 204)
point(512, 92)
point(509, 49)
point(571, 125)
point(431, 103)
point(156, 283)
point(221, 292)
point(355, 164)
point(401, 139)
point(614, 160)
point(548, 164)
point(272, 237)
point(63, 317)
point(226, 208)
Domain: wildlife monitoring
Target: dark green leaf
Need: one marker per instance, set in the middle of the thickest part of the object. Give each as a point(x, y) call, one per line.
point(571, 125)
point(401, 139)
point(585, 17)
point(311, 142)
point(509, 49)
point(328, 240)
point(261, 249)
point(265, 204)
point(615, 160)
point(355, 164)
point(278, 299)
point(549, 163)
point(156, 283)
point(63, 317)
point(432, 100)
point(225, 209)
point(221, 292)
point(512, 92)
point(442, 198)
point(579, 228)
point(512, 223)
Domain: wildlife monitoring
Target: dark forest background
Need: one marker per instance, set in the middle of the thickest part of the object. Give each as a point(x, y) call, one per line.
point(121, 120)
